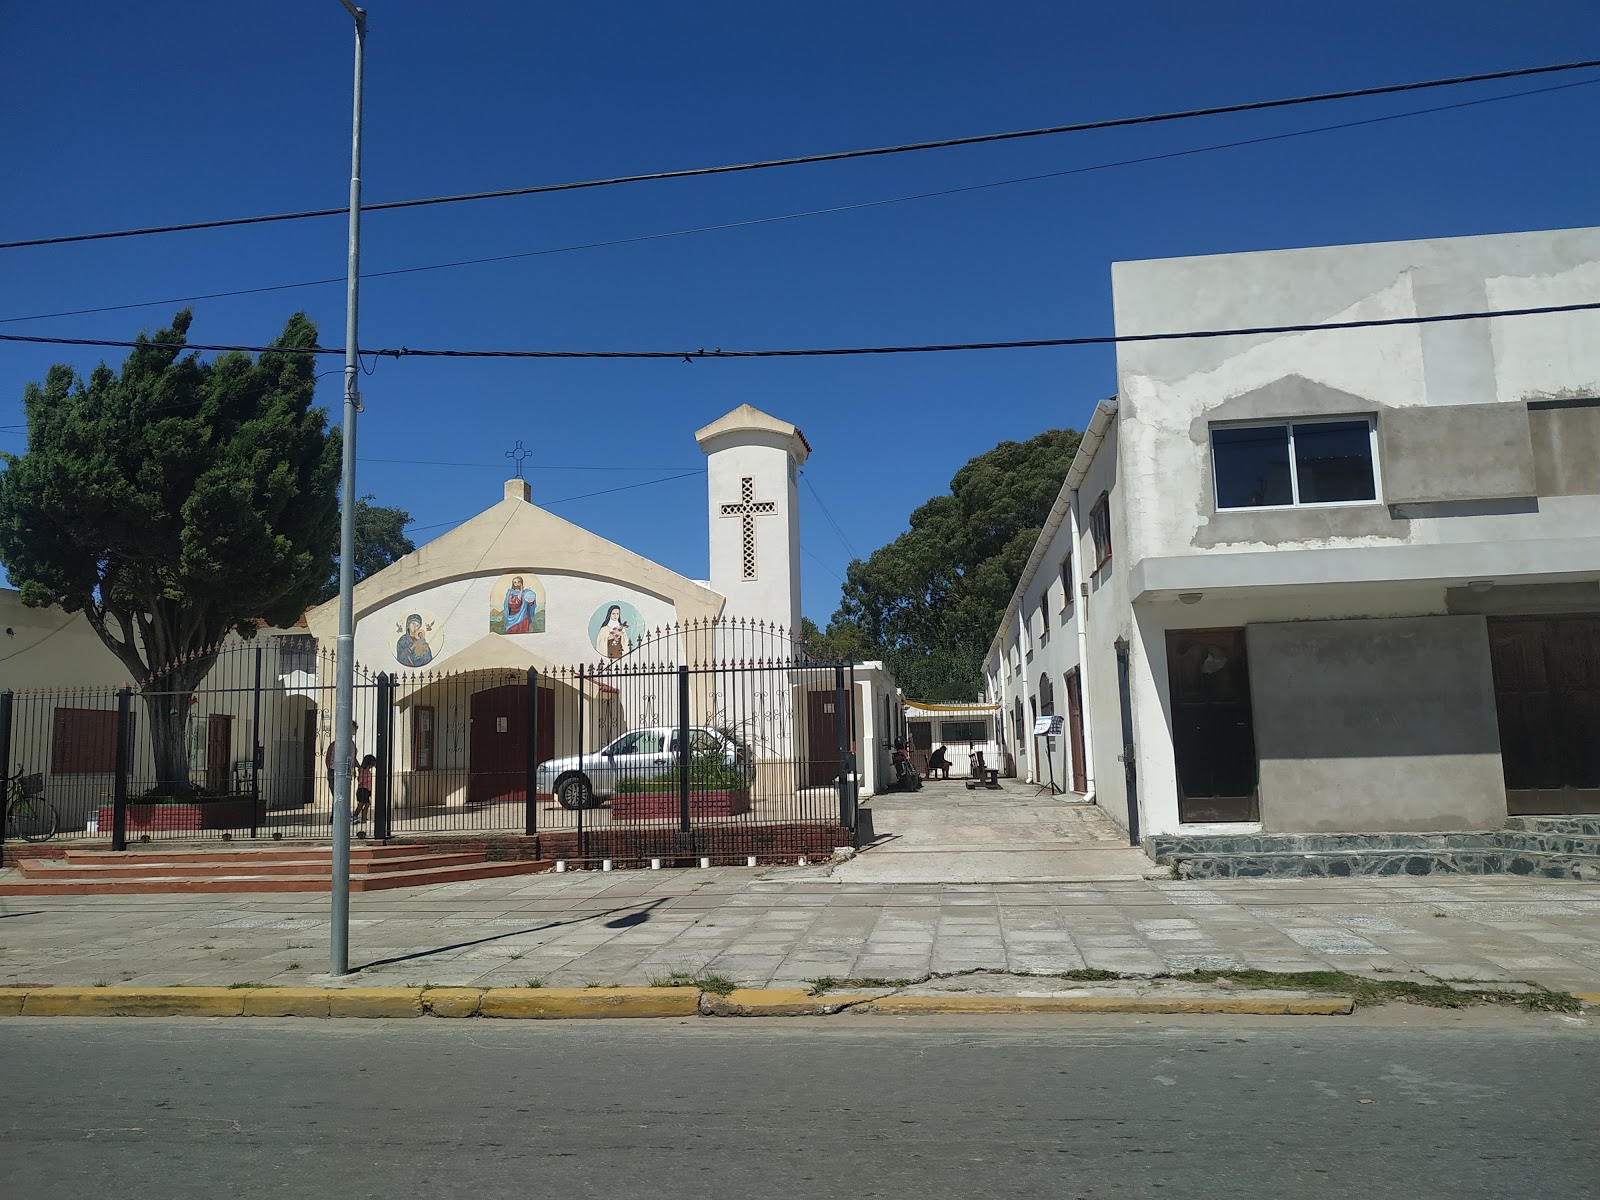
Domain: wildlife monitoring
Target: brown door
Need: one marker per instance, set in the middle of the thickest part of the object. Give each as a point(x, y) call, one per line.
point(822, 737)
point(497, 767)
point(1547, 699)
point(219, 744)
point(1080, 774)
point(1213, 732)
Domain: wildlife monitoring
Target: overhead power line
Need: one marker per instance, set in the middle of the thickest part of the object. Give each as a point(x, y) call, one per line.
point(830, 210)
point(833, 156)
point(1108, 339)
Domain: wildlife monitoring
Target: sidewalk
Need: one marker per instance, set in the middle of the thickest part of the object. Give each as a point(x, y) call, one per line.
point(784, 928)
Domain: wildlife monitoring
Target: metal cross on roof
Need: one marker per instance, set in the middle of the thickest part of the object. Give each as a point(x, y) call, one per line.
point(516, 454)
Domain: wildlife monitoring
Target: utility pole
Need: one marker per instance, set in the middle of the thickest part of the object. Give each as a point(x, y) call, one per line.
point(345, 647)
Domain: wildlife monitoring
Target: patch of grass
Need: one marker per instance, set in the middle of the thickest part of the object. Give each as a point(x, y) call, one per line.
point(1089, 974)
point(536, 982)
point(830, 983)
point(515, 954)
point(301, 946)
point(250, 984)
point(294, 966)
point(719, 985)
point(102, 983)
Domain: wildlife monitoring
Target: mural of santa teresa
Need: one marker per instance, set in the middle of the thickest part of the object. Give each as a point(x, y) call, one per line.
point(516, 604)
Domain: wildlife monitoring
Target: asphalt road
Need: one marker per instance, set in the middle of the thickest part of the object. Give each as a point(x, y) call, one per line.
point(1413, 1105)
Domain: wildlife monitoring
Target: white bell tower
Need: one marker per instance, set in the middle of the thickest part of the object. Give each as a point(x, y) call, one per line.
point(753, 472)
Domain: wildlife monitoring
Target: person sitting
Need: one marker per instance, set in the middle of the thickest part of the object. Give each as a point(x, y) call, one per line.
point(939, 764)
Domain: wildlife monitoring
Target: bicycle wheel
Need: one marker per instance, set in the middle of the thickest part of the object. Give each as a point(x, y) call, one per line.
point(32, 819)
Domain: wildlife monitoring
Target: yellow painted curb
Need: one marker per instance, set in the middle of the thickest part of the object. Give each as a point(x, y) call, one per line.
point(134, 1002)
point(286, 1002)
point(11, 1001)
point(909, 1005)
point(553, 1003)
point(1587, 997)
point(452, 1002)
point(775, 1002)
point(375, 1002)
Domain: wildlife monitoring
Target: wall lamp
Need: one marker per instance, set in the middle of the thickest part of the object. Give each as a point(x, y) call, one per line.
point(1191, 597)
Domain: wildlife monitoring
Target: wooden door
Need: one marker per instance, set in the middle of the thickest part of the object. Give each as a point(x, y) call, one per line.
point(497, 765)
point(219, 747)
point(1080, 772)
point(1213, 730)
point(1547, 701)
point(1033, 738)
point(822, 737)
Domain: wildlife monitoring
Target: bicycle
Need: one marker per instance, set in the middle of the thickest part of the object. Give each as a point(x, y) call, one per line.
point(28, 813)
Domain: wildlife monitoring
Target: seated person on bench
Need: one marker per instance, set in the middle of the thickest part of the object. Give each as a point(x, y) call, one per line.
point(939, 764)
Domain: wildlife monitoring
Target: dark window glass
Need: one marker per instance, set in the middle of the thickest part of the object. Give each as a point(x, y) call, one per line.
point(1333, 461)
point(1252, 466)
point(964, 731)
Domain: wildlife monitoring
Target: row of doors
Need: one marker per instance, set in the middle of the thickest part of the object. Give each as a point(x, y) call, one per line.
point(1044, 703)
point(1547, 701)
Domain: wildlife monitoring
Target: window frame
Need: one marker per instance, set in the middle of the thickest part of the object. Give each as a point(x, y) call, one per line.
point(1288, 425)
point(1067, 584)
point(1044, 618)
point(424, 737)
point(1100, 529)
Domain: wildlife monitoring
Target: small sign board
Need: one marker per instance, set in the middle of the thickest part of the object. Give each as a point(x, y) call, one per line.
point(1047, 726)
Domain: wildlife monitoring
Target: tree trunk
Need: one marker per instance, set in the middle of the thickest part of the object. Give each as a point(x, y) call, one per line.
point(169, 728)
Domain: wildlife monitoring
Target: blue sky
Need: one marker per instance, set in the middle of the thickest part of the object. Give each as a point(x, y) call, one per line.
point(115, 115)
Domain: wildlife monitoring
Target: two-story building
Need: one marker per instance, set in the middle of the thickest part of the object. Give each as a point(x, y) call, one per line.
point(1329, 600)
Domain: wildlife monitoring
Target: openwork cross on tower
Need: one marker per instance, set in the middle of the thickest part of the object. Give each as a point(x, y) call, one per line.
point(747, 510)
point(517, 453)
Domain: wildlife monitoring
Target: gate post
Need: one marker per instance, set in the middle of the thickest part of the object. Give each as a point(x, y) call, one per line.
point(846, 759)
point(255, 752)
point(530, 818)
point(119, 801)
point(385, 755)
point(582, 747)
point(684, 825)
point(6, 699)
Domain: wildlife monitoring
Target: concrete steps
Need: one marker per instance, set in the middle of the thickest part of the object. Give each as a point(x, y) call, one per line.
point(1539, 847)
point(286, 869)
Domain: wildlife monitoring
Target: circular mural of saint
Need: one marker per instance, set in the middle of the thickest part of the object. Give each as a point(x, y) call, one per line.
point(615, 628)
point(420, 638)
point(516, 604)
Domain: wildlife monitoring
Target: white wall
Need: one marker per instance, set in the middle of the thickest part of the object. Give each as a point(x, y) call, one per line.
point(1168, 389)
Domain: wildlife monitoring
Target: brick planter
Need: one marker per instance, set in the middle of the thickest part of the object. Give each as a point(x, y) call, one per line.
point(668, 806)
point(180, 818)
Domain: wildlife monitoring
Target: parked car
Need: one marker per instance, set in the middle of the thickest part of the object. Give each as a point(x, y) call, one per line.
point(638, 754)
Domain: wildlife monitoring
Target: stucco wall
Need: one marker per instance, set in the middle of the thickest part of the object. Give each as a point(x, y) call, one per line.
point(1369, 725)
point(1485, 372)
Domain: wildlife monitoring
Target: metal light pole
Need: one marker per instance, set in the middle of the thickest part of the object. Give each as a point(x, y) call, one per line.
point(344, 656)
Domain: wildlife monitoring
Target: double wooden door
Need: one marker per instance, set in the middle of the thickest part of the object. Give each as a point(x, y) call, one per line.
point(497, 769)
point(1547, 700)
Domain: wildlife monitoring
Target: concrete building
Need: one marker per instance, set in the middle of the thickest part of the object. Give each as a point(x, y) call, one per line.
point(1328, 583)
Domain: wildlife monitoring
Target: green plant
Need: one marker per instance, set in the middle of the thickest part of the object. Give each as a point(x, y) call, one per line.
point(1089, 974)
point(250, 984)
point(831, 983)
point(719, 985)
point(102, 983)
point(294, 966)
point(707, 773)
point(536, 982)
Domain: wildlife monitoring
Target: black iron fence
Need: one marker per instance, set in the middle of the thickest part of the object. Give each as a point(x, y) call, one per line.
point(719, 739)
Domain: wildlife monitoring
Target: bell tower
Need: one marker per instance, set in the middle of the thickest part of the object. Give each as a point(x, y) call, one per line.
point(753, 471)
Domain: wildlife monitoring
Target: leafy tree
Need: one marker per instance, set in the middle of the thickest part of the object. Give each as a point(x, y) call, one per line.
point(172, 502)
point(380, 539)
point(930, 601)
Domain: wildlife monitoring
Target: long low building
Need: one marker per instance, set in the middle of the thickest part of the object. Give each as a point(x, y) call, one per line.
point(1329, 593)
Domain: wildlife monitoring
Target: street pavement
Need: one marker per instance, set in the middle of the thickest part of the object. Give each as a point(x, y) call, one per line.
point(1395, 1105)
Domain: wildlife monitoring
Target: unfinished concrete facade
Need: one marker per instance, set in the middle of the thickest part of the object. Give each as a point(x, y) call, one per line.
point(1355, 583)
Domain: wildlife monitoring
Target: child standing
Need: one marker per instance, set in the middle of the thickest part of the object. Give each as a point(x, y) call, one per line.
point(363, 808)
